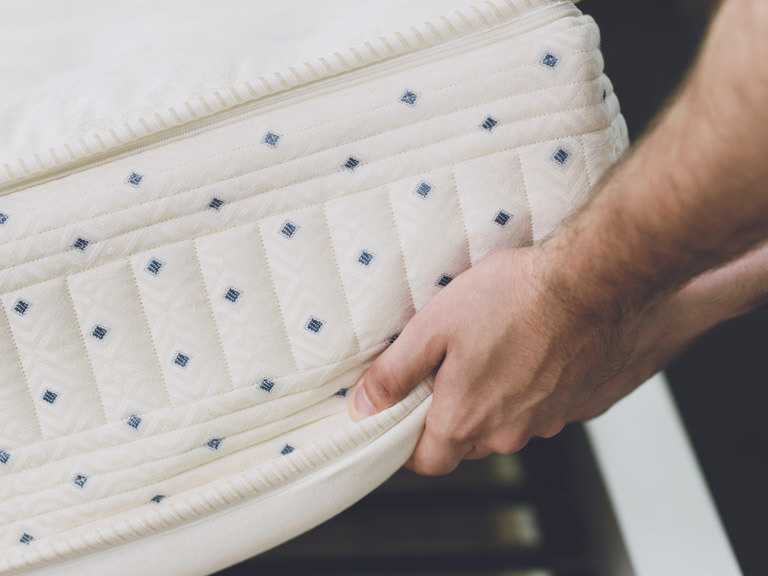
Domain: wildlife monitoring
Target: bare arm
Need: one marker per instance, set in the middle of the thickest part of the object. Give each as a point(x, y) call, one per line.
point(564, 336)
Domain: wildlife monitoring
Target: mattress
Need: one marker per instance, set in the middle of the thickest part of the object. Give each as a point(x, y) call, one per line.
point(189, 297)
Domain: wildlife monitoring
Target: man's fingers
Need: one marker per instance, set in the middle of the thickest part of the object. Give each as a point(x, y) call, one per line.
point(435, 455)
point(411, 358)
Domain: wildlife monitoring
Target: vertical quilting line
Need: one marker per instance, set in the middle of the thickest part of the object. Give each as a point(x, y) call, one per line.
point(591, 180)
point(525, 194)
point(273, 285)
point(461, 217)
point(85, 349)
point(23, 372)
point(338, 275)
point(401, 251)
point(150, 335)
point(215, 324)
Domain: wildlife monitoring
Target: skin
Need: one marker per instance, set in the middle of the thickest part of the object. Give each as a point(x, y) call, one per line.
point(630, 282)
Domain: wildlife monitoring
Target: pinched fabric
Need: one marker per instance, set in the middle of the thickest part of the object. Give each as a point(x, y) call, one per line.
point(194, 310)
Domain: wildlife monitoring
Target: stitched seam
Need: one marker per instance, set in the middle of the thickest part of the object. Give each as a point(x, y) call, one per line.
point(324, 208)
point(153, 344)
point(161, 433)
point(85, 349)
point(272, 283)
point(24, 374)
point(461, 216)
point(178, 455)
point(84, 269)
point(296, 183)
point(525, 194)
point(209, 302)
point(400, 249)
point(299, 157)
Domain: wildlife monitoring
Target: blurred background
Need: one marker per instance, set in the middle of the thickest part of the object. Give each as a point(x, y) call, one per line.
point(544, 511)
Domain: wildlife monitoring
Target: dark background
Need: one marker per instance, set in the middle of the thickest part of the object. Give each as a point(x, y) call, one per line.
point(721, 383)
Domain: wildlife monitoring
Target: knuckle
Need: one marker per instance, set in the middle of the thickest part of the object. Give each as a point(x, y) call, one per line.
point(552, 429)
point(512, 444)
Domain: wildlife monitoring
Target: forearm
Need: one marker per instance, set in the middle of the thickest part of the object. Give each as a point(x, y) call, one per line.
point(693, 193)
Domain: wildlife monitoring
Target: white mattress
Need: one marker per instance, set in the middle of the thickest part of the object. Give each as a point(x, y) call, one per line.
point(191, 284)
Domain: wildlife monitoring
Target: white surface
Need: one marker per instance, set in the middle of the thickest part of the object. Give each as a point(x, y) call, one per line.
point(258, 524)
point(67, 68)
point(663, 506)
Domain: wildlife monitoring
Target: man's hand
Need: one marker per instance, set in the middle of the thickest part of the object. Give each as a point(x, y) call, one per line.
point(515, 361)
point(532, 338)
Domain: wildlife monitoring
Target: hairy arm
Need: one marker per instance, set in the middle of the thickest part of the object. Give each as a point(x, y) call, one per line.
point(582, 318)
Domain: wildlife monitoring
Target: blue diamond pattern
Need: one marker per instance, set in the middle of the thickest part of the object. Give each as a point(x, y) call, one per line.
point(289, 229)
point(365, 258)
point(549, 60)
point(214, 443)
point(315, 324)
point(271, 139)
point(157, 498)
point(3, 218)
point(423, 189)
point(135, 179)
point(134, 421)
point(502, 218)
point(181, 359)
point(351, 163)
point(50, 396)
point(267, 385)
point(444, 280)
point(99, 332)
point(561, 156)
point(409, 98)
point(4, 456)
point(489, 123)
point(81, 244)
point(215, 203)
point(232, 295)
point(154, 266)
point(287, 449)
point(21, 307)
point(26, 538)
point(80, 480)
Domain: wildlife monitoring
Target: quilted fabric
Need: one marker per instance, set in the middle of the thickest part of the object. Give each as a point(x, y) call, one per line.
point(193, 309)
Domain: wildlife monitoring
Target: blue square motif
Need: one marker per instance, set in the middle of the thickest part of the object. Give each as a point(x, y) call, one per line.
point(351, 163)
point(315, 324)
point(50, 396)
point(444, 280)
point(216, 203)
point(365, 258)
point(21, 307)
point(134, 421)
point(561, 156)
point(3, 218)
point(502, 218)
point(423, 189)
point(289, 229)
point(99, 332)
point(26, 538)
point(267, 385)
point(157, 498)
point(409, 98)
point(81, 244)
point(232, 295)
point(342, 393)
point(287, 449)
point(214, 443)
point(135, 179)
point(271, 139)
point(154, 266)
point(4, 456)
point(181, 359)
point(549, 60)
point(489, 123)
point(80, 480)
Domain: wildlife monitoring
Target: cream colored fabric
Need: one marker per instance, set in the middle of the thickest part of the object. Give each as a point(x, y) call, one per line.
point(183, 316)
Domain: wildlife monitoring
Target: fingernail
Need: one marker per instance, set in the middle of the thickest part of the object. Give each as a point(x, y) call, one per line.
point(360, 402)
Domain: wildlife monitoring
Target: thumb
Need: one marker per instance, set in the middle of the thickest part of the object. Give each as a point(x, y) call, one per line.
point(412, 357)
